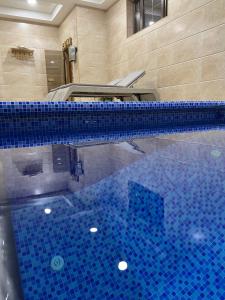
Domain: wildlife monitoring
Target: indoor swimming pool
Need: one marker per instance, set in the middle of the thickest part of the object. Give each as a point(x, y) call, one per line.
point(134, 219)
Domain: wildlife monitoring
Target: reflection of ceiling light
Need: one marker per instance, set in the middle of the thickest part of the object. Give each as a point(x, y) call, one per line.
point(48, 211)
point(37, 192)
point(215, 153)
point(122, 266)
point(198, 235)
point(93, 229)
point(32, 2)
point(52, 62)
point(151, 23)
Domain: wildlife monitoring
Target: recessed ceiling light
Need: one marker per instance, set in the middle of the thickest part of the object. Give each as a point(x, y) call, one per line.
point(32, 2)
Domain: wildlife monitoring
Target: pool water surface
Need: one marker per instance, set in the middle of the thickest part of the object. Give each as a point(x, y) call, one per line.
point(138, 220)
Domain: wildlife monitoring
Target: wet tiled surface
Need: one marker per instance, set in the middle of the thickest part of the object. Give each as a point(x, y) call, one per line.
point(157, 204)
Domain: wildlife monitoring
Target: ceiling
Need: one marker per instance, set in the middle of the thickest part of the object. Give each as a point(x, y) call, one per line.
point(45, 11)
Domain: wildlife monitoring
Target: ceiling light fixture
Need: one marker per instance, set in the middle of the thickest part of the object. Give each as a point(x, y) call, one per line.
point(32, 2)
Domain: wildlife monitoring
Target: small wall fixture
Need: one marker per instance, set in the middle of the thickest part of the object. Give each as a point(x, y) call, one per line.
point(22, 52)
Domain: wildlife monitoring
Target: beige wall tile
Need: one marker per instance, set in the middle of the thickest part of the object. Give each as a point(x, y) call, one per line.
point(174, 49)
point(187, 49)
point(191, 92)
point(214, 13)
point(171, 93)
point(213, 40)
point(177, 7)
point(92, 45)
point(180, 28)
point(25, 79)
point(188, 72)
point(213, 90)
point(183, 54)
point(213, 67)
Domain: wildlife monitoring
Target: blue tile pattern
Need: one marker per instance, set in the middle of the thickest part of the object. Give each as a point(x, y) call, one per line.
point(19, 120)
point(43, 107)
point(163, 214)
point(80, 139)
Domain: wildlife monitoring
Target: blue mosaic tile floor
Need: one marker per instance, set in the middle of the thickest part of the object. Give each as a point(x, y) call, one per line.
point(144, 220)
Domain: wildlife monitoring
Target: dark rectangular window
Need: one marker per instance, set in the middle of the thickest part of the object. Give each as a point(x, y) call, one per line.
point(148, 12)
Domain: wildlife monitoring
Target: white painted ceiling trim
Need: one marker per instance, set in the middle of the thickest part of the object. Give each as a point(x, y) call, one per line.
point(29, 15)
point(46, 11)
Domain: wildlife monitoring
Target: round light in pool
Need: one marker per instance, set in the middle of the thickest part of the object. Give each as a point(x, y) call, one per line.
point(122, 265)
point(57, 263)
point(47, 211)
point(93, 230)
point(215, 153)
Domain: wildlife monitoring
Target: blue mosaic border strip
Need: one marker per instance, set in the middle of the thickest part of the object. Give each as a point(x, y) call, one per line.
point(23, 107)
point(98, 137)
point(28, 121)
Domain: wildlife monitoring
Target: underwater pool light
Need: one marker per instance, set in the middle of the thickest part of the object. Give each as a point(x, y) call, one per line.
point(93, 229)
point(48, 211)
point(122, 266)
point(57, 263)
point(216, 153)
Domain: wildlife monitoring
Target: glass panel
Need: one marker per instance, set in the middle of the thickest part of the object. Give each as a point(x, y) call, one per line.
point(137, 16)
point(152, 11)
point(54, 68)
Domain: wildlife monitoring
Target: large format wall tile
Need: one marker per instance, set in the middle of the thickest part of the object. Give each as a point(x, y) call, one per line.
point(188, 72)
point(25, 79)
point(182, 54)
point(213, 67)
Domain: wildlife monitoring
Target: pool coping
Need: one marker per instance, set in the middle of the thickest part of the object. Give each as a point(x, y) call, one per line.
point(48, 107)
point(37, 123)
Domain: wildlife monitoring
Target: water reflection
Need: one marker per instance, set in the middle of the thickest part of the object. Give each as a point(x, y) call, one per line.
point(49, 170)
point(145, 204)
point(125, 211)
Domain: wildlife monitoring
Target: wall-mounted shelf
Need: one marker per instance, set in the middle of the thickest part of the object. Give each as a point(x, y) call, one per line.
point(22, 52)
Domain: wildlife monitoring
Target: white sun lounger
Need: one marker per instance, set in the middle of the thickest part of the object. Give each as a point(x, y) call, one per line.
point(121, 88)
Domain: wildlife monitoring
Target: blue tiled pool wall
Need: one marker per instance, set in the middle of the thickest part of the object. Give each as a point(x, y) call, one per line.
point(174, 267)
point(24, 118)
point(78, 122)
point(20, 141)
point(41, 107)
